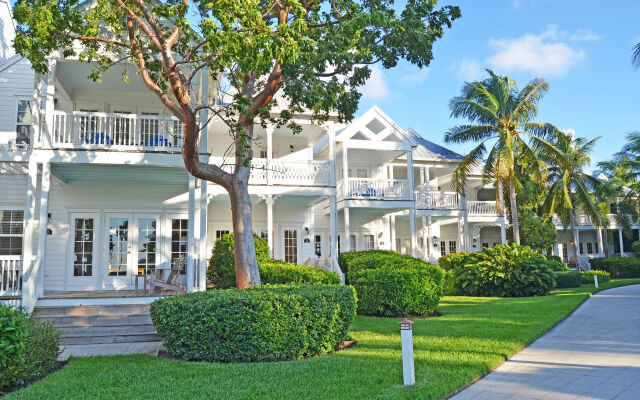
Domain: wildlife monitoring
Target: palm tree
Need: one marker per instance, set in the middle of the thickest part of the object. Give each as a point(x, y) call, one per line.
point(500, 116)
point(570, 187)
point(635, 58)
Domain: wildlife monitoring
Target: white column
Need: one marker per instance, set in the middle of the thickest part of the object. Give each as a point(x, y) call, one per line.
point(429, 249)
point(392, 235)
point(191, 252)
point(577, 243)
point(425, 239)
point(621, 241)
point(461, 238)
point(427, 176)
point(600, 242)
point(345, 169)
point(42, 225)
point(410, 173)
point(412, 228)
point(49, 105)
point(269, 201)
point(204, 204)
point(204, 114)
point(269, 152)
point(503, 230)
point(333, 227)
point(29, 218)
point(347, 234)
point(467, 239)
point(556, 250)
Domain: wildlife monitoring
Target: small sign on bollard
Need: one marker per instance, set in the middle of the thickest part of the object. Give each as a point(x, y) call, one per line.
point(406, 336)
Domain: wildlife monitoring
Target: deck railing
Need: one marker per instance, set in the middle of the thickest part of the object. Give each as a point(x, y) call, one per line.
point(436, 200)
point(282, 172)
point(374, 189)
point(103, 130)
point(10, 280)
point(481, 208)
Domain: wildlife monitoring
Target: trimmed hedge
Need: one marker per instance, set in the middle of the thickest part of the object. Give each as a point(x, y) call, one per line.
point(29, 349)
point(503, 271)
point(587, 276)
point(222, 265)
point(618, 267)
point(568, 279)
point(345, 258)
point(392, 284)
point(452, 261)
point(278, 272)
point(265, 323)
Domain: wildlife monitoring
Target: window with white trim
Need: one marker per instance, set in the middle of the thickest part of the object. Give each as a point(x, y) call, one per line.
point(11, 231)
point(179, 235)
point(443, 248)
point(369, 242)
point(83, 247)
point(24, 119)
point(317, 244)
point(453, 246)
point(589, 248)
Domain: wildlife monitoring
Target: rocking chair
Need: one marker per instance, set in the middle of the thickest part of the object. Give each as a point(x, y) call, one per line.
point(156, 281)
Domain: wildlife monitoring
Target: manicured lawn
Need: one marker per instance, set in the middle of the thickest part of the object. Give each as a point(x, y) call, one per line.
point(473, 336)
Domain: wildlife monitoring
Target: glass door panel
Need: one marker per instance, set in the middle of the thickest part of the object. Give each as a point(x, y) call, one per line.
point(118, 250)
point(291, 246)
point(147, 245)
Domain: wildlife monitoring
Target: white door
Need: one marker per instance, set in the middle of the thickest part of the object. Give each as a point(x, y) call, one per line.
point(117, 255)
point(291, 244)
point(146, 251)
point(83, 270)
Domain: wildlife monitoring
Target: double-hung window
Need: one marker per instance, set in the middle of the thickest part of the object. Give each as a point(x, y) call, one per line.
point(24, 120)
point(11, 232)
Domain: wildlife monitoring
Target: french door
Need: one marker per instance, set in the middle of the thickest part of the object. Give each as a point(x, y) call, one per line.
point(291, 244)
point(83, 272)
point(131, 247)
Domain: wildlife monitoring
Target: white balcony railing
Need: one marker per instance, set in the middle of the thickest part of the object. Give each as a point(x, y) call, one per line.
point(374, 189)
point(102, 130)
point(481, 208)
point(436, 200)
point(10, 277)
point(282, 172)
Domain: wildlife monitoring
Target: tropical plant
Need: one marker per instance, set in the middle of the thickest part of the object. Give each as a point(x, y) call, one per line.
point(269, 61)
point(501, 117)
point(570, 187)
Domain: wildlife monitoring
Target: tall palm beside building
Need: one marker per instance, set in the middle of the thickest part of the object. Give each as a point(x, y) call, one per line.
point(571, 188)
point(501, 122)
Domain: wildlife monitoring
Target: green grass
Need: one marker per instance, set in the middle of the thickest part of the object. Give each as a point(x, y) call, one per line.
point(473, 336)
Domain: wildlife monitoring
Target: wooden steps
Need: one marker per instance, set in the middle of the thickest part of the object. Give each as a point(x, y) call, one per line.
point(108, 324)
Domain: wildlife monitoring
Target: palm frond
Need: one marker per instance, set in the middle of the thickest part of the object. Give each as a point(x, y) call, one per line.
point(527, 100)
point(470, 161)
point(469, 133)
point(635, 58)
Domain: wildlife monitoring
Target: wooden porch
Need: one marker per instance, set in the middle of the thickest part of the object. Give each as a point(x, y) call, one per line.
point(93, 294)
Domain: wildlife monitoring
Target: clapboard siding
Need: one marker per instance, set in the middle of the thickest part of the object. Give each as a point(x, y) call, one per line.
point(16, 82)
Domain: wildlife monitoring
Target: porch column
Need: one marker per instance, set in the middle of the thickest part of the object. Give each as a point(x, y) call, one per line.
point(461, 238)
point(29, 219)
point(425, 239)
point(429, 244)
point(333, 227)
point(410, 174)
point(427, 176)
point(269, 201)
point(600, 238)
point(204, 117)
point(556, 250)
point(333, 200)
point(577, 242)
point(204, 204)
point(503, 230)
point(465, 230)
point(621, 241)
point(346, 190)
point(392, 233)
point(49, 105)
point(347, 234)
point(412, 228)
point(191, 233)
point(42, 223)
point(269, 153)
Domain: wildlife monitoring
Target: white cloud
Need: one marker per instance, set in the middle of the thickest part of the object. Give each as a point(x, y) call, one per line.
point(584, 35)
point(544, 54)
point(376, 87)
point(470, 69)
point(414, 77)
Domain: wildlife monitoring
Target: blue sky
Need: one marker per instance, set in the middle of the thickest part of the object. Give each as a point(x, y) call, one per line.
point(583, 48)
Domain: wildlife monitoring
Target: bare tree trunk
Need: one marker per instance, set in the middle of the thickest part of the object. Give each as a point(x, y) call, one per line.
point(515, 223)
point(575, 239)
point(247, 273)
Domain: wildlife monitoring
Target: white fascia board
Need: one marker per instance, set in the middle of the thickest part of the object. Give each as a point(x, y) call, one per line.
point(439, 213)
point(370, 145)
point(373, 204)
point(111, 157)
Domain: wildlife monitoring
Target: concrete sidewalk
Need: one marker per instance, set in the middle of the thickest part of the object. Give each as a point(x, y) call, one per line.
point(593, 354)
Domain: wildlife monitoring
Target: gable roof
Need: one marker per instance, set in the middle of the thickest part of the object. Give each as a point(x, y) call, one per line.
point(374, 125)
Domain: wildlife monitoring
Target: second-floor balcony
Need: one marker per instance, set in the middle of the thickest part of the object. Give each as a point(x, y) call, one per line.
point(96, 130)
point(433, 200)
point(282, 172)
point(482, 208)
point(374, 189)
point(586, 220)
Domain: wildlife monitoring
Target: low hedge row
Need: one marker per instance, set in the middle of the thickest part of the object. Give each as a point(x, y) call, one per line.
point(345, 258)
point(618, 267)
point(278, 272)
point(587, 276)
point(568, 279)
point(266, 323)
point(392, 284)
point(29, 349)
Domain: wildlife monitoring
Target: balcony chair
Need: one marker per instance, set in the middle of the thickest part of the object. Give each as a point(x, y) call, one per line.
point(155, 279)
point(98, 138)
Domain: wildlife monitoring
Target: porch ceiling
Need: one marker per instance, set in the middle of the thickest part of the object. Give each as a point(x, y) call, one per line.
point(120, 173)
point(76, 73)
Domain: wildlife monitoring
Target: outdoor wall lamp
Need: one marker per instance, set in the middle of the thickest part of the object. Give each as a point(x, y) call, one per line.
point(380, 235)
point(306, 230)
point(291, 148)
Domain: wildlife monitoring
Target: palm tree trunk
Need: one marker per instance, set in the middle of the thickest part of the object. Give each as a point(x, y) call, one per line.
point(515, 223)
point(575, 240)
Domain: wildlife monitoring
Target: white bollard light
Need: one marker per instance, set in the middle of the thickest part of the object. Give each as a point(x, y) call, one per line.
point(406, 336)
point(595, 280)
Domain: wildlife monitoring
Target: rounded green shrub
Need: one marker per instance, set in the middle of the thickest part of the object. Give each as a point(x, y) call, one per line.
point(392, 284)
point(29, 349)
point(568, 279)
point(398, 291)
point(452, 261)
point(556, 265)
point(635, 248)
point(222, 271)
point(506, 271)
point(587, 276)
point(265, 323)
point(345, 258)
point(618, 267)
point(278, 272)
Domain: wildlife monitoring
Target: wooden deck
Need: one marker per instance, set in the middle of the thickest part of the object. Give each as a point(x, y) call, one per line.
point(92, 294)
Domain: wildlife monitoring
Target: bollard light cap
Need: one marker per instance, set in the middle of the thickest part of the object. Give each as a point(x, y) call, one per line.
point(405, 324)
